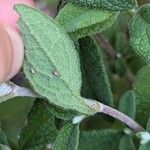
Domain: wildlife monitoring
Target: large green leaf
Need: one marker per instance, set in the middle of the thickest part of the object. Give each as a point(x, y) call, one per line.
point(40, 131)
point(142, 94)
point(67, 138)
point(13, 115)
point(80, 22)
point(126, 143)
point(51, 64)
point(107, 139)
point(107, 4)
point(95, 71)
point(127, 104)
point(140, 32)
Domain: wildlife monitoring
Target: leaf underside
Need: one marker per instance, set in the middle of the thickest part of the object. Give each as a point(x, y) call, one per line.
point(80, 22)
point(53, 72)
point(140, 32)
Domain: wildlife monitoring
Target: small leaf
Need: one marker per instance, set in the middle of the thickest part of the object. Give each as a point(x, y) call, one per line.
point(106, 139)
point(40, 131)
point(67, 138)
point(142, 94)
point(127, 104)
point(80, 22)
point(52, 64)
point(107, 4)
point(145, 146)
point(140, 32)
point(126, 143)
point(95, 71)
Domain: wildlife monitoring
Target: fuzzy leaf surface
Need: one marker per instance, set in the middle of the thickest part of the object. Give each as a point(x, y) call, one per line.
point(107, 4)
point(95, 71)
point(67, 138)
point(80, 21)
point(127, 104)
point(40, 131)
point(60, 112)
point(51, 64)
point(140, 32)
point(126, 143)
point(142, 94)
point(107, 139)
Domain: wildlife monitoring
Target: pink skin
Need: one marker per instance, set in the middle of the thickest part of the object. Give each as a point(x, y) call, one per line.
point(11, 44)
point(8, 16)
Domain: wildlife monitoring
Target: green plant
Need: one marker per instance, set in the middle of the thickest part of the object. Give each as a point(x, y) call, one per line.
point(82, 66)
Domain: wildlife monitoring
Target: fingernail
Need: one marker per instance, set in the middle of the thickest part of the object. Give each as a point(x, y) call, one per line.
point(6, 54)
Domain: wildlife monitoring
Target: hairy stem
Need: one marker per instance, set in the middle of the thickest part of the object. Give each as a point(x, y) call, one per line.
point(115, 114)
point(122, 117)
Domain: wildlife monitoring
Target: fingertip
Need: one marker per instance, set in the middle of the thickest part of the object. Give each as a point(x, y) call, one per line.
point(6, 54)
point(18, 51)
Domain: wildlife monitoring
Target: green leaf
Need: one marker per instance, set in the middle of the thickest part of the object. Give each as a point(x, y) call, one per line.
point(68, 137)
point(13, 115)
point(145, 146)
point(95, 71)
point(40, 131)
point(80, 22)
point(85, 88)
point(107, 139)
point(52, 64)
point(142, 94)
point(120, 67)
point(126, 143)
point(127, 104)
point(140, 32)
point(107, 4)
point(61, 113)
